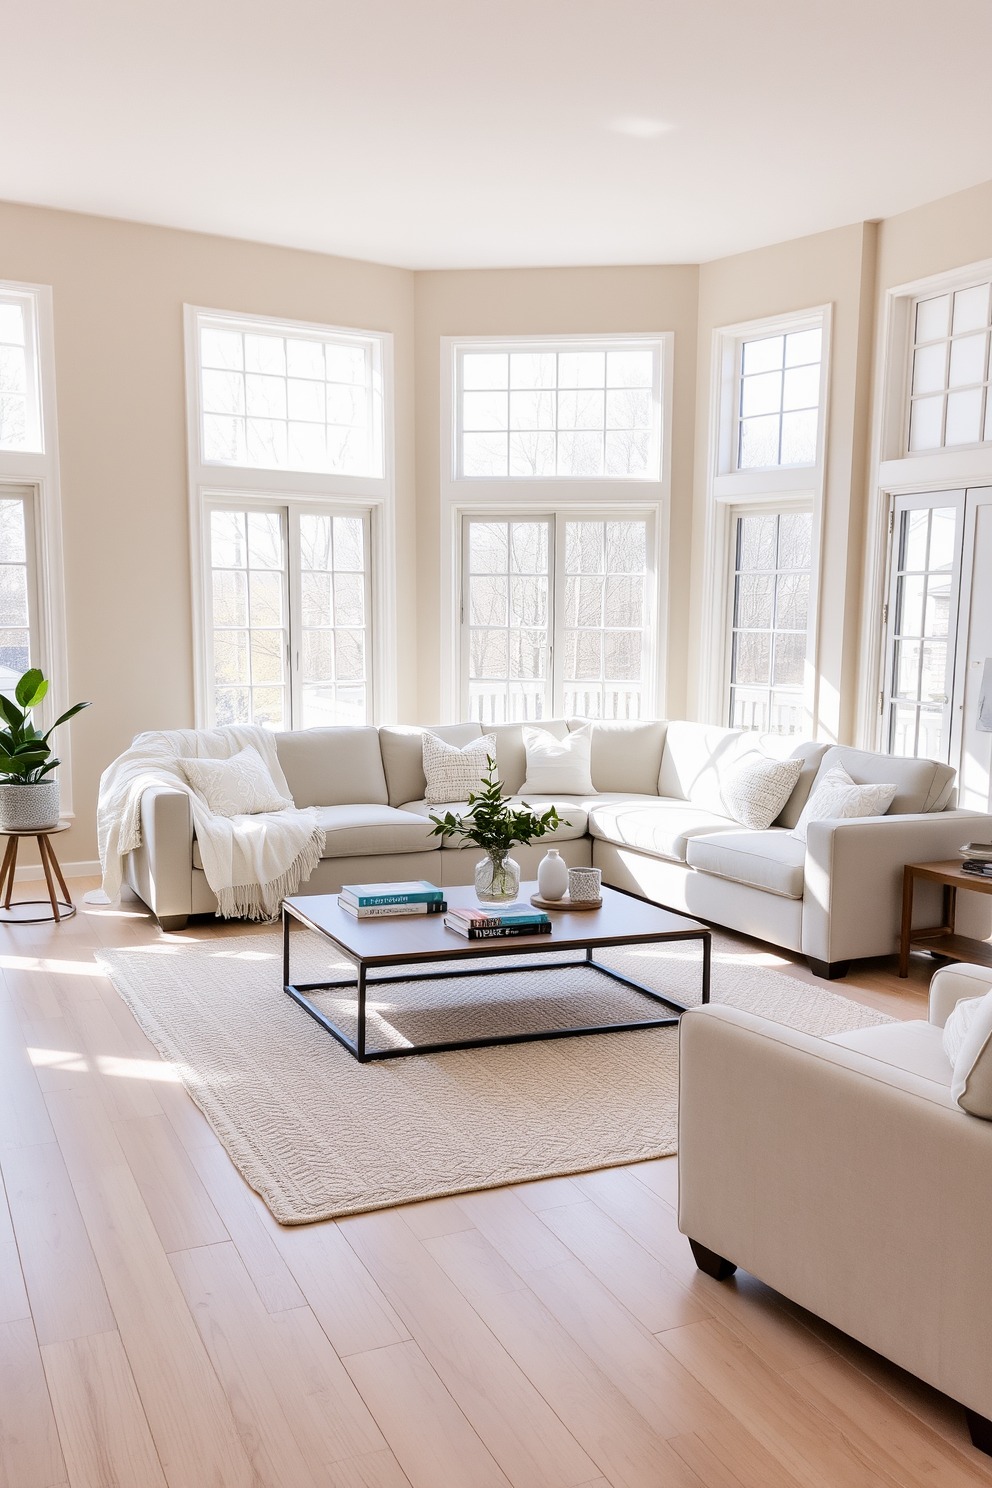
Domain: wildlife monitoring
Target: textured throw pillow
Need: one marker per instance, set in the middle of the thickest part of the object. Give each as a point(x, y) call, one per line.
point(968, 1045)
point(756, 790)
point(452, 773)
point(838, 796)
point(239, 786)
point(558, 767)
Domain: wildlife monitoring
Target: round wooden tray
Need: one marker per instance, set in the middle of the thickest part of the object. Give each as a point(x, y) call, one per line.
point(565, 903)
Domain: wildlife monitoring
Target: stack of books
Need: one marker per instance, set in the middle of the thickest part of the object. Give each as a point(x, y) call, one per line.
point(977, 859)
point(377, 901)
point(498, 922)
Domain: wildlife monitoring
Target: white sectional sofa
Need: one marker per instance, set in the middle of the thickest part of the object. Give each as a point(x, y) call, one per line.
point(656, 825)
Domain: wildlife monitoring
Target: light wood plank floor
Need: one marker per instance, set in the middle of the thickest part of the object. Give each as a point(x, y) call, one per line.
point(159, 1330)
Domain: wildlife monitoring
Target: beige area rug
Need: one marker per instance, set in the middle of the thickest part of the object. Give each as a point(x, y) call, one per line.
point(318, 1135)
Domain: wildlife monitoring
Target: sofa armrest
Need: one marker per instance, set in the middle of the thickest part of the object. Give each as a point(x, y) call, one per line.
point(859, 1190)
point(951, 983)
point(161, 870)
point(852, 904)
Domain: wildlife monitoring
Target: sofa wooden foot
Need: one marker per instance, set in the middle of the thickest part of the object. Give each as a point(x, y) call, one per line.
point(712, 1264)
point(981, 1431)
point(830, 970)
point(173, 922)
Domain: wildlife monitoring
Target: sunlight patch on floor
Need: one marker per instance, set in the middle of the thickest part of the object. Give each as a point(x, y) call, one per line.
point(58, 1059)
point(49, 964)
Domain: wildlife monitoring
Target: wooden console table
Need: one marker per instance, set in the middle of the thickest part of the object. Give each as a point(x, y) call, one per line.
point(942, 938)
point(13, 914)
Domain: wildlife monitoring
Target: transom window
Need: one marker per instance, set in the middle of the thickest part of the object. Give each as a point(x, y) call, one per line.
point(20, 402)
point(284, 398)
point(779, 408)
point(770, 621)
point(555, 617)
point(949, 402)
point(575, 412)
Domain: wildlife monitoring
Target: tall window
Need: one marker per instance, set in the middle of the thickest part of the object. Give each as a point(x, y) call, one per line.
point(949, 402)
point(922, 613)
point(555, 617)
point(18, 635)
point(289, 464)
point(779, 404)
point(772, 554)
point(20, 393)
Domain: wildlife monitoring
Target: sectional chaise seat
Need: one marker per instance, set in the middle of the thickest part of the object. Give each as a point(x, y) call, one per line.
point(656, 824)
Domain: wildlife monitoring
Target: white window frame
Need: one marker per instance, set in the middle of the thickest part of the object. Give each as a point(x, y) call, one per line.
point(509, 497)
point(894, 472)
point(731, 492)
point(34, 474)
point(234, 485)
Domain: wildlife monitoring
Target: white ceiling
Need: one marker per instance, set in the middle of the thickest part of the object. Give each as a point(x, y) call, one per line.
point(456, 133)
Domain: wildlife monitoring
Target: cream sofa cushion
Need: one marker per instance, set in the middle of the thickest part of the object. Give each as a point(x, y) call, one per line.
point(626, 754)
point(922, 785)
point(360, 831)
point(558, 766)
point(772, 860)
point(402, 748)
point(572, 810)
point(332, 766)
point(913, 1046)
point(654, 826)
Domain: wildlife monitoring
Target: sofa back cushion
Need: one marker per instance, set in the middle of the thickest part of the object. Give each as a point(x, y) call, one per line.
point(698, 756)
point(333, 766)
point(626, 756)
point(402, 749)
point(923, 785)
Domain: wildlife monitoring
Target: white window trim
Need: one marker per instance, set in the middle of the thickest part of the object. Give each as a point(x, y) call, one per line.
point(894, 473)
point(514, 497)
point(39, 471)
point(729, 490)
point(294, 487)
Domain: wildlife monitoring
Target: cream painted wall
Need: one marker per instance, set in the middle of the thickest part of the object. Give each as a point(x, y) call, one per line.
point(835, 268)
point(119, 290)
point(520, 302)
point(943, 235)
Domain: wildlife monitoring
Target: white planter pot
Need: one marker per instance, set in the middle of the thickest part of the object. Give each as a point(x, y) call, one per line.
point(29, 808)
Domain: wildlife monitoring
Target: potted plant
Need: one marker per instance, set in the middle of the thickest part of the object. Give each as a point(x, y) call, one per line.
point(29, 802)
point(494, 825)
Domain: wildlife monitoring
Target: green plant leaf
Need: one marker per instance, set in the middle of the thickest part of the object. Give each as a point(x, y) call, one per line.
point(31, 688)
point(39, 774)
point(11, 712)
point(78, 708)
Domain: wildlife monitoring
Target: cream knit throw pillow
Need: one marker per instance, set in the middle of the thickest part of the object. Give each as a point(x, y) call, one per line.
point(756, 790)
point(239, 786)
point(837, 796)
point(451, 773)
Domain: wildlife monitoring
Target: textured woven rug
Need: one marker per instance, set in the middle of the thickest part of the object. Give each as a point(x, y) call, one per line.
point(319, 1135)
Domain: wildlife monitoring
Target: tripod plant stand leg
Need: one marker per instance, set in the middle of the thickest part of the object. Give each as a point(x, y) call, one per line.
point(48, 879)
point(10, 871)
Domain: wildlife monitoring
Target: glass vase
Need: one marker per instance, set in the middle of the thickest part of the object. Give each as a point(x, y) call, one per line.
point(497, 880)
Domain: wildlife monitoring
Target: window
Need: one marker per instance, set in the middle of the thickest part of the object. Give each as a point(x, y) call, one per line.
point(20, 399)
point(19, 648)
point(289, 614)
point(950, 366)
point(771, 585)
point(778, 411)
point(556, 617)
point(573, 411)
point(285, 398)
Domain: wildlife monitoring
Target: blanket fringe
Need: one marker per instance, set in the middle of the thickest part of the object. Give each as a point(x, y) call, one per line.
point(263, 901)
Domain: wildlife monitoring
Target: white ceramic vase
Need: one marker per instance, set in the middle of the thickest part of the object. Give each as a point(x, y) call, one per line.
point(552, 875)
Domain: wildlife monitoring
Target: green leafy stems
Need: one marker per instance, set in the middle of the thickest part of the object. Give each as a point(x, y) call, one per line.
point(492, 823)
point(25, 753)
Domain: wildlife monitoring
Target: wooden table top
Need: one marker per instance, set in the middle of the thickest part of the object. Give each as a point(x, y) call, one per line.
point(949, 871)
point(622, 920)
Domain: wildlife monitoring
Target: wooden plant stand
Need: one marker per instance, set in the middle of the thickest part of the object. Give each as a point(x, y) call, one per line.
point(942, 938)
point(12, 913)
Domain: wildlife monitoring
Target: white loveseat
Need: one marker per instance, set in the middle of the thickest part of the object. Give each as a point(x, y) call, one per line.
point(656, 825)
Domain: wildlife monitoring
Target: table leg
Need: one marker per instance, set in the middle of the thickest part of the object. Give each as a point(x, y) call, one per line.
point(49, 880)
point(908, 881)
point(10, 873)
point(58, 871)
point(707, 956)
point(286, 919)
point(360, 1041)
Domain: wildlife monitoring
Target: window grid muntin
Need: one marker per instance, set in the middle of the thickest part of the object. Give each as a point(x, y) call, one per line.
point(523, 698)
point(788, 698)
point(249, 697)
point(745, 377)
point(609, 695)
point(554, 390)
point(927, 346)
point(922, 721)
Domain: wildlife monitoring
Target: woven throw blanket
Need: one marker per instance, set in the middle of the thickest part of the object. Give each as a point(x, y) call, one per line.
point(250, 862)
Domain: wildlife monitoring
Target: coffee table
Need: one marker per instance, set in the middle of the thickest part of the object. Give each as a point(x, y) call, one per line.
point(623, 920)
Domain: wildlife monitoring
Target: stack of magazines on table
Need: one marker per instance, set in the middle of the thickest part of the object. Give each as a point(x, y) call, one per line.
point(377, 901)
point(977, 859)
point(498, 922)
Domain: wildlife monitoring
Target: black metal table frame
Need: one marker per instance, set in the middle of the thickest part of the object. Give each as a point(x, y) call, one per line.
point(357, 1047)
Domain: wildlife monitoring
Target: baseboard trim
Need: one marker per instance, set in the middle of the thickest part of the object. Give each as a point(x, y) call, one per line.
point(33, 872)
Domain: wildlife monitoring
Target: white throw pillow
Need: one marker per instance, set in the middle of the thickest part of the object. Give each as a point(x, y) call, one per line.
point(452, 773)
point(558, 767)
point(756, 790)
point(838, 796)
point(239, 786)
point(968, 1045)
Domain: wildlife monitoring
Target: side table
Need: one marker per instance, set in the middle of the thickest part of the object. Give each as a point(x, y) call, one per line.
point(941, 938)
point(62, 909)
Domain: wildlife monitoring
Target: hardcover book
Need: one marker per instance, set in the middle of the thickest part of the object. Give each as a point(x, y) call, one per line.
point(419, 891)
